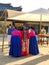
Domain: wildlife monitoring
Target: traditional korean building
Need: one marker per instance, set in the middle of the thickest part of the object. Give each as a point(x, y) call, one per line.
point(3, 10)
point(36, 18)
point(4, 7)
point(44, 16)
point(8, 6)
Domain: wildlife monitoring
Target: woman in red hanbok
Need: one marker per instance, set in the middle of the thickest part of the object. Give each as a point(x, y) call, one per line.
point(25, 44)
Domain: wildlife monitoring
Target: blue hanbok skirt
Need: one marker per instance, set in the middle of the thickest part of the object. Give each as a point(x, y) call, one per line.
point(15, 46)
point(33, 46)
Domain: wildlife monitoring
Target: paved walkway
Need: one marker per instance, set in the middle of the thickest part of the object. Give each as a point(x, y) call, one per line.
point(41, 59)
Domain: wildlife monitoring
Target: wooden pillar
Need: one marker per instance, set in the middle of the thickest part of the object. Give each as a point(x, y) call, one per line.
point(40, 22)
point(4, 31)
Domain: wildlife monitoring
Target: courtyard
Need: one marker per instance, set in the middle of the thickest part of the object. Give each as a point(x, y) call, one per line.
point(41, 59)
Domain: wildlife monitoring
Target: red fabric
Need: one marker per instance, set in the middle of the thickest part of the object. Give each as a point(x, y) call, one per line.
point(21, 34)
point(24, 45)
point(24, 49)
point(27, 34)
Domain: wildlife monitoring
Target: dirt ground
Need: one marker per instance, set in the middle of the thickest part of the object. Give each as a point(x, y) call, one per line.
point(41, 59)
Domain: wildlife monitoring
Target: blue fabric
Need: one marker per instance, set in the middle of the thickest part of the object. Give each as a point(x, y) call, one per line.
point(9, 31)
point(33, 47)
point(12, 29)
point(15, 46)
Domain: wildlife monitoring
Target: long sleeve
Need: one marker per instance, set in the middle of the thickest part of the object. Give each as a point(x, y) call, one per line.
point(32, 33)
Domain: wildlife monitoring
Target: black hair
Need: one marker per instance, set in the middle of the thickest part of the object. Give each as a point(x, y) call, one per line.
point(20, 28)
point(32, 27)
point(9, 24)
point(16, 27)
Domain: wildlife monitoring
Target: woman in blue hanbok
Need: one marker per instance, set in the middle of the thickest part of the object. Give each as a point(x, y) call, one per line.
point(15, 46)
point(33, 46)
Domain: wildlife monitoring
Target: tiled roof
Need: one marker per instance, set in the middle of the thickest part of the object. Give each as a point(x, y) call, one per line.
point(40, 11)
point(8, 6)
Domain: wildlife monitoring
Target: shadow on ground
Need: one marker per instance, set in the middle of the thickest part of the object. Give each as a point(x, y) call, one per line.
point(6, 59)
point(37, 60)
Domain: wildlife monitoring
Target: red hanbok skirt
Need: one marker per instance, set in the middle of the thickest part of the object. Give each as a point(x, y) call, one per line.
point(25, 48)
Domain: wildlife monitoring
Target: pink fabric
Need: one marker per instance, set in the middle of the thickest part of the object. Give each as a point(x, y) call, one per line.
point(32, 33)
point(16, 33)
